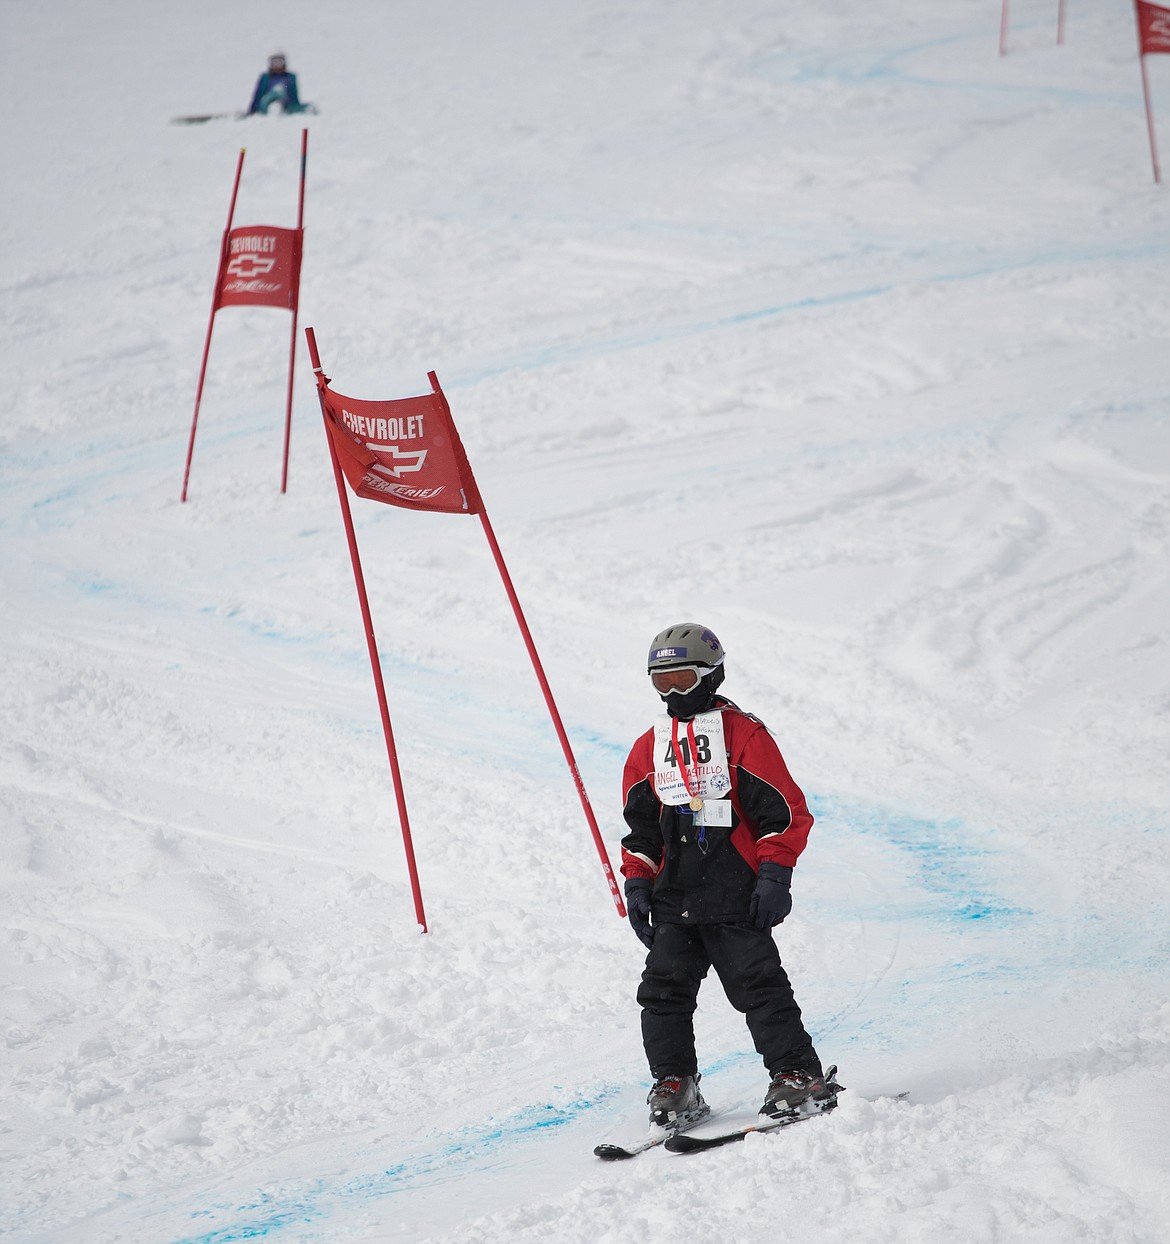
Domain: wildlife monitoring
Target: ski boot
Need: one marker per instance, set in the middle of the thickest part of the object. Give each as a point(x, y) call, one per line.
point(675, 1101)
point(801, 1091)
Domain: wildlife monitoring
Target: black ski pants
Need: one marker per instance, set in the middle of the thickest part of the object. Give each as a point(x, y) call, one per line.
point(749, 968)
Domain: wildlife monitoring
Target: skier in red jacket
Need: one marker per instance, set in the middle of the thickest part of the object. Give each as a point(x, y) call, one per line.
point(716, 825)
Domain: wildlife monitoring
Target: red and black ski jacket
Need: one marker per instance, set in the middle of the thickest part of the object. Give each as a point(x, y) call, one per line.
point(770, 821)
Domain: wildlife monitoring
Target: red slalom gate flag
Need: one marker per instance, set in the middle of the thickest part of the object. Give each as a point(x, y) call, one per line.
point(1153, 23)
point(407, 452)
point(1153, 27)
point(404, 452)
point(1004, 12)
point(261, 268)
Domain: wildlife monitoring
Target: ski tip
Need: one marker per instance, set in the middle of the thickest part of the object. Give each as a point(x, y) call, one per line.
point(611, 1153)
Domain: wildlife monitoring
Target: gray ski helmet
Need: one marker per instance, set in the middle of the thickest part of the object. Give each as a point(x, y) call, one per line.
point(685, 643)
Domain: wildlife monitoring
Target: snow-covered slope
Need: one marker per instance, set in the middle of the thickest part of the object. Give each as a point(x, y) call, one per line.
point(823, 324)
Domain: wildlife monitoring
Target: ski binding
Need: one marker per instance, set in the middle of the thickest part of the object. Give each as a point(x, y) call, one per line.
point(655, 1137)
point(692, 1144)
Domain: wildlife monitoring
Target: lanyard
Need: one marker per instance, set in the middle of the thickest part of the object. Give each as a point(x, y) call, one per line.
point(696, 801)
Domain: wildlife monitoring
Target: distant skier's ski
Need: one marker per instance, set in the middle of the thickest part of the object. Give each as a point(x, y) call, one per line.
point(199, 118)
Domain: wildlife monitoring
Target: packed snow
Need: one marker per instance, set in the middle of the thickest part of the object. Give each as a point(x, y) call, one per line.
point(824, 325)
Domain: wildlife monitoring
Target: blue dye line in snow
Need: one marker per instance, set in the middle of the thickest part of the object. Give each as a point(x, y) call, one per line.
point(947, 865)
point(864, 66)
point(555, 355)
point(463, 730)
point(269, 1213)
point(566, 352)
point(942, 853)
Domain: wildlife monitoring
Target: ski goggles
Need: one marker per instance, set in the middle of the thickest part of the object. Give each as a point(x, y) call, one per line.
point(681, 679)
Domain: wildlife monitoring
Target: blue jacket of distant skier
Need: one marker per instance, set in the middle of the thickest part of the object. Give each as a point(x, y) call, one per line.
point(276, 88)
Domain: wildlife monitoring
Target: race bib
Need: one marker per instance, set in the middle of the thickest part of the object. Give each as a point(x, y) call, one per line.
point(707, 772)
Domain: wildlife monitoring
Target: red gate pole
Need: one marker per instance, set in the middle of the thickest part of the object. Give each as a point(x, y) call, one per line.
point(1060, 22)
point(534, 657)
point(1150, 119)
point(292, 346)
point(211, 322)
point(1003, 28)
point(371, 642)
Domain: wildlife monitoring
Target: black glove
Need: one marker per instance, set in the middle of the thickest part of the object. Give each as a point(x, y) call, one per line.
point(772, 897)
point(638, 907)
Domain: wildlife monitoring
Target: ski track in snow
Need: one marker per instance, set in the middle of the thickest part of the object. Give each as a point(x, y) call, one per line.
point(827, 325)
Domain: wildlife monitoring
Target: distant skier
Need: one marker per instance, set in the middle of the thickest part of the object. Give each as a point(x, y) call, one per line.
point(277, 86)
point(716, 824)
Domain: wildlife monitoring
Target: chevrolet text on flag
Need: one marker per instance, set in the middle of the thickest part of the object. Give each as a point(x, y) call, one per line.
point(407, 452)
point(259, 266)
point(262, 268)
point(1153, 26)
point(401, 452)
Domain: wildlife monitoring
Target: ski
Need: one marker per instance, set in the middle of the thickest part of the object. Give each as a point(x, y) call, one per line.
point(655, 1137)
point(679, 1143)
point(199, 118)
point(613, 1153)
point(692, 1144)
